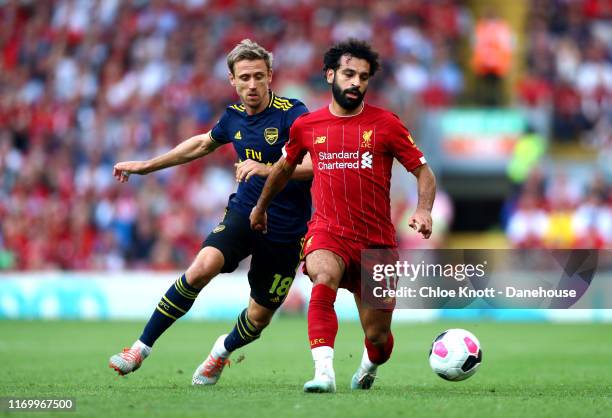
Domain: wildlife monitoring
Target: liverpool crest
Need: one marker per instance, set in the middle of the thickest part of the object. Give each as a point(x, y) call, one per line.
point(367, 139)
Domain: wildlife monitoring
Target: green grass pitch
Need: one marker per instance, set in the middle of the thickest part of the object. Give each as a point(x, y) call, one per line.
point(528, 370)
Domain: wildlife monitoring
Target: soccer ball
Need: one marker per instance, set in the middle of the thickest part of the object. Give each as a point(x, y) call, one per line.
point(455, 355)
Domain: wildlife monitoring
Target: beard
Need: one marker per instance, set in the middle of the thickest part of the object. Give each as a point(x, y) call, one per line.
point(345, 102)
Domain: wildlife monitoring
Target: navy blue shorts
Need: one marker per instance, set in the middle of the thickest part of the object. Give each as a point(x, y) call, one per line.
point(273, 264)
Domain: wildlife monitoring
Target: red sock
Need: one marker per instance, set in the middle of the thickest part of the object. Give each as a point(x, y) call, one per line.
point(322, 319)
point(382, 354)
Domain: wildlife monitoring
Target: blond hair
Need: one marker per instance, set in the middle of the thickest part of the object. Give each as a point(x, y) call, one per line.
point(248, 50)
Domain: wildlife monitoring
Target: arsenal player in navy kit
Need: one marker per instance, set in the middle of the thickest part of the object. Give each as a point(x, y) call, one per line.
point(257, 127)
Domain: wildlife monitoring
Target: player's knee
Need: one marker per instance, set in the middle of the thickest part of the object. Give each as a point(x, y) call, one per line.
point(325, 278)
point(207, 264)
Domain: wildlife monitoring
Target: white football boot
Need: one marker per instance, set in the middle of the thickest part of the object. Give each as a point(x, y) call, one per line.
point(130, 359)
point(365, 374)
point(209, 372)
point(321, 384)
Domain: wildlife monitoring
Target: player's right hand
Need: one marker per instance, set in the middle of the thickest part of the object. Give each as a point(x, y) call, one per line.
point(122, 170)
point(259, 220)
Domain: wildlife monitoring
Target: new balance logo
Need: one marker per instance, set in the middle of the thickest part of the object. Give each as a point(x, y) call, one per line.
point(366, 160)
point(320, 140)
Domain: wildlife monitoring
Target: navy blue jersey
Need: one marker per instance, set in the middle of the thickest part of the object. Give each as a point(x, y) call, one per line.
point(261, 138)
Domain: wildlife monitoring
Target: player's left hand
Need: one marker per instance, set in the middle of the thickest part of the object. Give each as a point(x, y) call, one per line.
point(421, 222)
point(248, 168)
point(259, 220)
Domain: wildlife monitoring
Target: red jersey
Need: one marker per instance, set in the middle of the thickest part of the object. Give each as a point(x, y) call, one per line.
point(352, 158)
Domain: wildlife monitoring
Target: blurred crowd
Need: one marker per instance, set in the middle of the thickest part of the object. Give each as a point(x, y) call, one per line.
point(569, 74)
point(569, 68)
point(87, 83)
point(560, 210)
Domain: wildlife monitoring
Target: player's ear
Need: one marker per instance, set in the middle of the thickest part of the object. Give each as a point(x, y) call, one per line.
point(329, 75)
point(231, 78)
point(269, 75)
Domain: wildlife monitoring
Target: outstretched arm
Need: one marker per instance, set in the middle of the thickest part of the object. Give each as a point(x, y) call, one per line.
point(420, 221)
point(188, 150)
point(249, 168)
point(277, 180)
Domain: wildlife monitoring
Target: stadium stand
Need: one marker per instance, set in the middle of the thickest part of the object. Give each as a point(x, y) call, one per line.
point(87, 83)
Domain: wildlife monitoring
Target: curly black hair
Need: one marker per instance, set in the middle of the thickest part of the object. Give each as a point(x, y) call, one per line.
point(354, 48)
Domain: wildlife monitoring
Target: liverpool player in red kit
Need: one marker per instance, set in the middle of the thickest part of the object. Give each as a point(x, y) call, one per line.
point(352, 146)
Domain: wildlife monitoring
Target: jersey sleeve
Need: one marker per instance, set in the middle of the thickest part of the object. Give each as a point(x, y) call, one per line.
point(402, 146)
point(294, 150)
point(219, 132)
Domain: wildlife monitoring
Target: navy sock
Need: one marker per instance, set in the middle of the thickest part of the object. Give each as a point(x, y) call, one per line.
point(174, 304)
point(243, 333)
